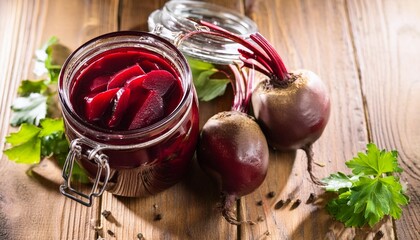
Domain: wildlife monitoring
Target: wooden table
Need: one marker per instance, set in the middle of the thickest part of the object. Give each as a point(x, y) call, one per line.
point(362, 49)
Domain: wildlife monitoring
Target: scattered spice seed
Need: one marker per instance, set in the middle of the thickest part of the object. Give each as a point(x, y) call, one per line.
point(279, 204)
point(140, 236)
point(158, 217)
point(287, 201)
point(106, 213)
point(296, 204)
point(260, 203)
point(271, 194)
point(267, 233)
point(311, 198)
point(379, 235)
point(111, 233)
point(260, 219)
point(155, 206)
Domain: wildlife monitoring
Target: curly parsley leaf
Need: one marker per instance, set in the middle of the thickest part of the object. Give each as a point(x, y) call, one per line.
point(30, 109)
point(207, 85)
point(371, 194)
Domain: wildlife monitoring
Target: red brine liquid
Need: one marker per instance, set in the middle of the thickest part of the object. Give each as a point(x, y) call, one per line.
point(122, 91)
point(126, 89)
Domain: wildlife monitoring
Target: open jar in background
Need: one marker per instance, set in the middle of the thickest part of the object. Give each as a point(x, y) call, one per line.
point(208, 56)
point(124, 160)
point(172, 20)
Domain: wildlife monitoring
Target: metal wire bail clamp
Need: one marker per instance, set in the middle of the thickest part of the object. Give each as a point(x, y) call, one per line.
point(93, 154)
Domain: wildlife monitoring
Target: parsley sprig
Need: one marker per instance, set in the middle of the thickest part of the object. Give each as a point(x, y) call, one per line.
point(371, 192)
point(40, 135)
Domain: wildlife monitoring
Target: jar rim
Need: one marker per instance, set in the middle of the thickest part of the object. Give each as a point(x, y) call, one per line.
point(64, 96)
point(172, 20)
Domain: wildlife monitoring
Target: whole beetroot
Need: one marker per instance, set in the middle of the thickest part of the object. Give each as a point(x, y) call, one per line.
point(233, 151)
point(294, 114)
point(292, 108)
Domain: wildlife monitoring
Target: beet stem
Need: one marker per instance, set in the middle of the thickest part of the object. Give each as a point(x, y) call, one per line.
point(242, 97)
point(227, 212)
point(310, 157)
point(279, 67)
point(264, 53)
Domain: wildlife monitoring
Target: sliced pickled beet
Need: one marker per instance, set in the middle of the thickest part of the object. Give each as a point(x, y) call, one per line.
point(99, 84)
point(160, 81)
point(121, 103)
point(157, 59)
point(135, 82)
point(149, 66)
point(124, 75)
point(113, 62)
point(97, 104)
point(151, 111)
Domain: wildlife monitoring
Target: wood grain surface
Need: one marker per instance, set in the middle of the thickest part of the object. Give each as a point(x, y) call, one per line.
point(366, 51)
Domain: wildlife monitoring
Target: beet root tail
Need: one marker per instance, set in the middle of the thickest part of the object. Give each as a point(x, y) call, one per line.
point(310, 157)
point(227, 211)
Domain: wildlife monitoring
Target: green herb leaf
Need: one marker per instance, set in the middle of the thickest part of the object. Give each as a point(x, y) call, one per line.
point(26, 146)
point(343, 212)
point(374, 162)
point(38, 136)
point(29, 109)
point(371, 194)
point(53, 139)
point(49, 59)
point(54, 144)
point(336, 182)
point(199, 65)
point(51, 126)
point(212, 88)
point(207, 87)
point(28, 86)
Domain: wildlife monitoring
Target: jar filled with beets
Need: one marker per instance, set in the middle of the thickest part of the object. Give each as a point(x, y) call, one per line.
point(131, 113)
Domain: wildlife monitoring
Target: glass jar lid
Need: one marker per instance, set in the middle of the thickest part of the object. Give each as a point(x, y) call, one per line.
point(172, 20)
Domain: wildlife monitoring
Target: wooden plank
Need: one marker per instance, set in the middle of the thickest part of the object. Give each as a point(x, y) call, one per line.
point(387, 37)
point(31, 205)
point(133, 14)
point(189, 209)
point(313, 35)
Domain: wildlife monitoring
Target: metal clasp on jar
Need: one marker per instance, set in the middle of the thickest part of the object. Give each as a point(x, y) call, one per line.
point(93, 153)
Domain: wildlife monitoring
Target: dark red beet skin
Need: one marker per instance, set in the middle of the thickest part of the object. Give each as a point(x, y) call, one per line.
point(232, 149)
point(294, 116)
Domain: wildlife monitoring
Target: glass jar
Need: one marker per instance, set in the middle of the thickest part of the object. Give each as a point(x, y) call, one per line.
point(135, 162)
point(172, 20)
